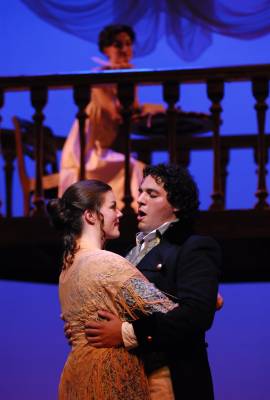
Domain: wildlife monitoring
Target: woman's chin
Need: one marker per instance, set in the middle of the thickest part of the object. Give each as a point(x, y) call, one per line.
point(114, 235)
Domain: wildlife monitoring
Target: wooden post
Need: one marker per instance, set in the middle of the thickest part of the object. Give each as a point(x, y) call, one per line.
point(215, 92)
point(1, 105)
point(82, 96)
point(171, 96)
point(126, 95)
point(260, 90)
point(39, 96)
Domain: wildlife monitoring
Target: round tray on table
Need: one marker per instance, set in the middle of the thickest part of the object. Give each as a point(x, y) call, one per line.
point(187, 123)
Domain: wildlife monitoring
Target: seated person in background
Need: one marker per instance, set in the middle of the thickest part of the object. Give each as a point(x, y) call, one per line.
point(101, 162)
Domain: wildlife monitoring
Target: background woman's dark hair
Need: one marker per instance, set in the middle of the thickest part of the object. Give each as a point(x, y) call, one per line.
point(182, 191)
point(108, 33)
point(66, 213)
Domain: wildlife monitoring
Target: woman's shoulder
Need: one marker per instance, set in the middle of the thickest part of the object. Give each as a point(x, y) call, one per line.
point(116, 258)
point(101, 259)
point(104, 268)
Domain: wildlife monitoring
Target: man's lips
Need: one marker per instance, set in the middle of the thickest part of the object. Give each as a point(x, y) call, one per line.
point(141, 215)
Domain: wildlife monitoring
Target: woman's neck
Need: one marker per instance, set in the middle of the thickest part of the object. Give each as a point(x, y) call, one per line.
point(90, 243)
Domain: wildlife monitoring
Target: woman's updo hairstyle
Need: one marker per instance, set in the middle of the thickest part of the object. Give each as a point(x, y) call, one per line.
point(108, 34)
point(66, 212)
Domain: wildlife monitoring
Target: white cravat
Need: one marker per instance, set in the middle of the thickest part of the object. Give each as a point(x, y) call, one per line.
point(146, 241)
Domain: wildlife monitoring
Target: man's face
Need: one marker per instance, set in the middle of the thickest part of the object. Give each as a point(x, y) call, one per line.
point(153, 206)
point(121, 50)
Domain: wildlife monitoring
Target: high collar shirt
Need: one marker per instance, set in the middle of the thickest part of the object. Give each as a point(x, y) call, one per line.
point(146, 241)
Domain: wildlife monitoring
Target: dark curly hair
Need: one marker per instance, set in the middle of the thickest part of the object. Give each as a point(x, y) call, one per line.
point(107, 35)
point(182, 191)
point(66, 213)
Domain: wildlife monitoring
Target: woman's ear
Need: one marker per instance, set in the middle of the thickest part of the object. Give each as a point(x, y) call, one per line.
point(90, 217)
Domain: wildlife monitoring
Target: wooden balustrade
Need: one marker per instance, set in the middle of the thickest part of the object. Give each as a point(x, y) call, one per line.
point(81, 95)
point(179, 147)
point(215, 91)
point(39, 97)
point(260, 89)
point(126, 95)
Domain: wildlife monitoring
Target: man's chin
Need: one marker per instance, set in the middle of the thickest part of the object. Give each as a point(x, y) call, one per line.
point(142, 226)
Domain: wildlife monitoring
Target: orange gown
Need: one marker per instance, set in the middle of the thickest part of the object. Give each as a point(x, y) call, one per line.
point(104, 280)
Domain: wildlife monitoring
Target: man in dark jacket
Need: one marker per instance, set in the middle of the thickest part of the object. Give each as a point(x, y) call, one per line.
point(185, 267)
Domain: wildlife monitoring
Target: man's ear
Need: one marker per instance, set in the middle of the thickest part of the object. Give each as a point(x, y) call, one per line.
point(90, 217)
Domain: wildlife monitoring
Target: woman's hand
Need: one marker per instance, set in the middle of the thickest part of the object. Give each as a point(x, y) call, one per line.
point(120, 65)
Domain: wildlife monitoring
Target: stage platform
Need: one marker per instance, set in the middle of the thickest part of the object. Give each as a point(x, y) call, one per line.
point(31, 250)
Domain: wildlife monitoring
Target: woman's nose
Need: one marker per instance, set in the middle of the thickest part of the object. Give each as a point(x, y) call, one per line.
point(124, 47)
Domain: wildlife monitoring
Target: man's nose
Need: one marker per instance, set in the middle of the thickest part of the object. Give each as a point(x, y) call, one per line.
point(141, 198)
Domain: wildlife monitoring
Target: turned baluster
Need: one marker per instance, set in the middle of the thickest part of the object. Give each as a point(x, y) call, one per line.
point(215, 92)
point(39, 95)
point(171, 92)
point(81, 96)
point(260, 90)
point(183, 157)
point(225, 158)
point(126, 95)
point(1, 105)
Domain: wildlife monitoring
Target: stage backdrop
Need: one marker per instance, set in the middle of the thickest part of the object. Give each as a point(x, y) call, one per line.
point(32, 346)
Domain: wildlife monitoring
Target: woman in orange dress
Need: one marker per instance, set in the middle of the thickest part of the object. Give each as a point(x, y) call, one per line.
point(91, 279)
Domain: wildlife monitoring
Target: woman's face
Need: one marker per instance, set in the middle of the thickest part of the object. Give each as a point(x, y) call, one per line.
point(111, 215)
point(121, 50)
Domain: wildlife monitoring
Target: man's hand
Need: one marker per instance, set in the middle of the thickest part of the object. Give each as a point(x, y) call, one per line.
point(104, 333)
point(68, 333)
point(67, 330)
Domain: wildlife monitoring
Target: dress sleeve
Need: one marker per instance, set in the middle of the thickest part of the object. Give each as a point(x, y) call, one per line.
point(139, 297)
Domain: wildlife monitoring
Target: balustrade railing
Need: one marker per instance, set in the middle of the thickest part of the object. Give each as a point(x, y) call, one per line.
point(178, 147)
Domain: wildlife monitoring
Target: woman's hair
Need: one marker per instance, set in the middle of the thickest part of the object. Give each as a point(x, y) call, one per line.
point(66, 213)
point(182, 191)
point(107, 35)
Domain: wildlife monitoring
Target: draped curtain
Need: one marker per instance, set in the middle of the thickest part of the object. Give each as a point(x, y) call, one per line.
point(186, 24)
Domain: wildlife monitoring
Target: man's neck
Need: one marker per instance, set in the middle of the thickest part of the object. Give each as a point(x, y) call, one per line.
point(161, 228)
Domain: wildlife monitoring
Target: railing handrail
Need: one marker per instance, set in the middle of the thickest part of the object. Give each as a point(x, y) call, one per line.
point(214, 79)
point(143, 76)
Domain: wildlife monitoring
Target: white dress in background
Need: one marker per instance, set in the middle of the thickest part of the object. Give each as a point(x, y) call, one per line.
point(100, 161)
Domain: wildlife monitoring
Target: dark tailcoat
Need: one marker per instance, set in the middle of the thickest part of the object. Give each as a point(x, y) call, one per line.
point(186, 267)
